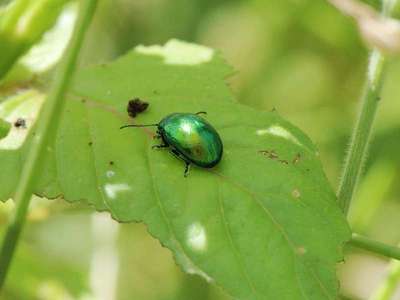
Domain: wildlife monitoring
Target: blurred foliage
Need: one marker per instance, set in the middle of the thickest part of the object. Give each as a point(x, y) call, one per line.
point(301, 57)
point(4, 128)
point(22, 23)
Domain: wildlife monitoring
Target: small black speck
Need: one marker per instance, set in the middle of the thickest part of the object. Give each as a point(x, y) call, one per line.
point(20, 123)
point(90, 143)
point(136, 106)
point(111, 163)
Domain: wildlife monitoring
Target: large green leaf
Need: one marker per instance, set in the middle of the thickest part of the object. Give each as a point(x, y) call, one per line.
point(263, 225)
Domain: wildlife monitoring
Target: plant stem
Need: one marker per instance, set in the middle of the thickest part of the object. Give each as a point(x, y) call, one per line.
point(362, 131)
point(49, 119)
point(365, 243)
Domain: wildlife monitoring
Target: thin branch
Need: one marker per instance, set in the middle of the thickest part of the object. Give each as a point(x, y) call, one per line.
point(368, 244)
point(362, 131)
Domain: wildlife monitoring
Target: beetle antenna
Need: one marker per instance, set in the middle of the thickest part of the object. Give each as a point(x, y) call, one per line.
point(201, 113)
point(130, 125)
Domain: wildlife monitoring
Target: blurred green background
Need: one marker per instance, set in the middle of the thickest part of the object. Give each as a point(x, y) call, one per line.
point(300, 57)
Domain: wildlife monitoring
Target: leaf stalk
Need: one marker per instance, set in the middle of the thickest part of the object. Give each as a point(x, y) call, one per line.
point(361, 135)
point(360, 140)
point(368, 244)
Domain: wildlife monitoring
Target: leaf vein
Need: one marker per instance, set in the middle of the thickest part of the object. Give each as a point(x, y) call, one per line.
point(277, 224)
point(234, 248)
point(163, 213)
point(96, 173)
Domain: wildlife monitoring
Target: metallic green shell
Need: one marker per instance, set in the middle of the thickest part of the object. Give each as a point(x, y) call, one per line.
point(193, 137)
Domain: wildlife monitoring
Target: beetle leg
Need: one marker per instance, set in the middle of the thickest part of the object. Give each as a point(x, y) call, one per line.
point(176, 153)
point(159, 146)
point(201, 113)
point(157, 135)
point(187, 168)
point(187, 164)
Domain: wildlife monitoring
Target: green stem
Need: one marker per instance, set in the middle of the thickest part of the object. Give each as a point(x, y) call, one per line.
point(49, 119)
point(362, 131)
point(375, 246)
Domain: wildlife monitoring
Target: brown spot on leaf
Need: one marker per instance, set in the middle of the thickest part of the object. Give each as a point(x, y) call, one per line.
point(296, 159)
point(264, 152)
point(271, 154)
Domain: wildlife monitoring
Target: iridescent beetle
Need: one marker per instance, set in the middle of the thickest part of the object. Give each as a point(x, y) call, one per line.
point(190, 138)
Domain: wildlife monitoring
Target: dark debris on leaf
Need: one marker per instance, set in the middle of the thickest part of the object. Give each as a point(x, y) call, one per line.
point(136, 106)
point(20, 123)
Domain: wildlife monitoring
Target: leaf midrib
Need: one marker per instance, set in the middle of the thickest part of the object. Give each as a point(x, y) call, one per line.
point(96, 173)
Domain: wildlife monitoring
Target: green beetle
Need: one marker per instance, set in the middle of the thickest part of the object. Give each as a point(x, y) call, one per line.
point(190, 138)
